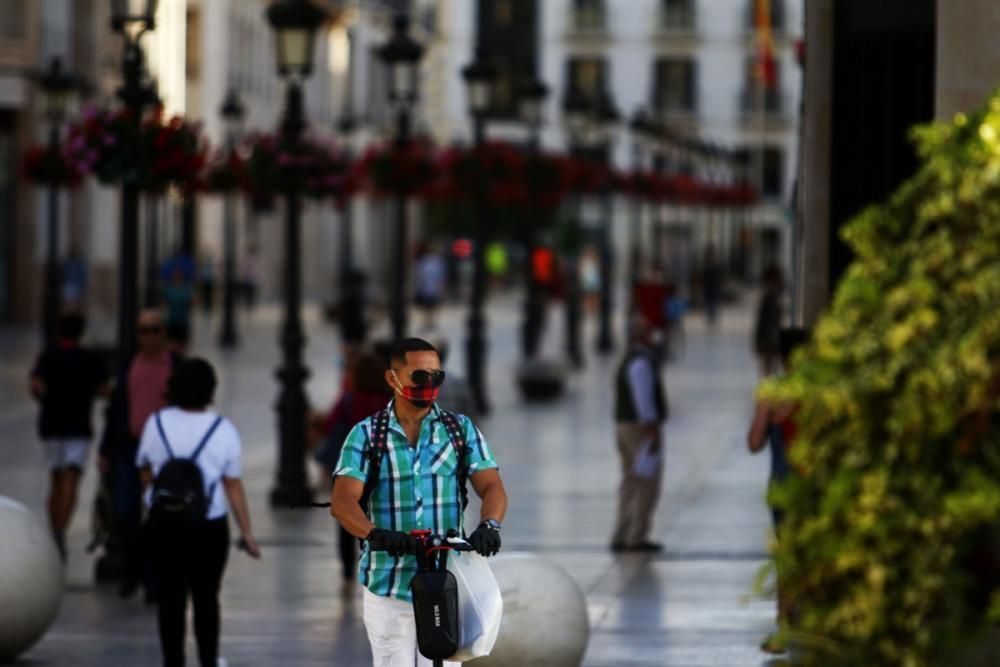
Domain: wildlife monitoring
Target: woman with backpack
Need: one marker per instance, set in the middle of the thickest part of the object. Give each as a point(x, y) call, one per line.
point(189, 461)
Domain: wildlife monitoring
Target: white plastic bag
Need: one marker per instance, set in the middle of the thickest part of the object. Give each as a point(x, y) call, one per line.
point(480, 607)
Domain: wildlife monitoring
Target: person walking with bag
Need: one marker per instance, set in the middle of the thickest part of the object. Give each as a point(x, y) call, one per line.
point(189, 461)
point(405, 468)
point(640, 411)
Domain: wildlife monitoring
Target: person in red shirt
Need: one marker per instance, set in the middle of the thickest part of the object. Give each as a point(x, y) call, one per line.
point(364, 393)
point(140, 390)
point(774, 425)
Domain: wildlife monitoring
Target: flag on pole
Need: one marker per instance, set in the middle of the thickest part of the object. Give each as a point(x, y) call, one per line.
point(766, 69)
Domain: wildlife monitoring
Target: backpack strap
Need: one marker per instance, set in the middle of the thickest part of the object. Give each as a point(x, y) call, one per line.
point(457, 437)
point(163, 435)
point(205, 438)
point(378, 444)
point(204, 441)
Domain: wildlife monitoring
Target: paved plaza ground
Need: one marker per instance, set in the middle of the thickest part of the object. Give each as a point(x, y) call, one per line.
point(689, 606)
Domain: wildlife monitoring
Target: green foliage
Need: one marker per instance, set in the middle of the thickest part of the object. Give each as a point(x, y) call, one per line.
point(889, 549)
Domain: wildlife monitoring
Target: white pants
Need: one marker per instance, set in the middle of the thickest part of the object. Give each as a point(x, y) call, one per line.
point(392, 633)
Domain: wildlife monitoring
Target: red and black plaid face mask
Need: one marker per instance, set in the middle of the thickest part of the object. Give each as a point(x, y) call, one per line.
point(419, 397)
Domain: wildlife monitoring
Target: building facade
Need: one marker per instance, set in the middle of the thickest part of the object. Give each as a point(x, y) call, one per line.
point(690, 62)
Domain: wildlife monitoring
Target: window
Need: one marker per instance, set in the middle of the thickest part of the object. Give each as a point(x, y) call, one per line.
point(508, 31)
point(777, 11)
point(589, 15)
point(774, 173)
point(13, 21)
point(677, 14)
point(586, 75)
point(750, 102)
point(192, 39)
point(675, 85)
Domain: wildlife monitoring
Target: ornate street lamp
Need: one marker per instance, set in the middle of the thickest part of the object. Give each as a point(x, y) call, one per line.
point(577, 118)
point(606, 122)
point(295, 23)
point(479, 77)
point(58, 87)
point(640, 128)
point(402, 55)
point(532, 109)
point(131, 19)
point(233, 115)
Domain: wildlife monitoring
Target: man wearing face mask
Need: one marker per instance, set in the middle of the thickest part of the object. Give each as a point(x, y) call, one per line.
point(405, 468)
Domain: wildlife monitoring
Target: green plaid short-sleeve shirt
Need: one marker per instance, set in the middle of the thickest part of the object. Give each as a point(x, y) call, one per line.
point(417, 490)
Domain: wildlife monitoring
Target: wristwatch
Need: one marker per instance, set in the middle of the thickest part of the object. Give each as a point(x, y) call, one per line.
point(493, 524)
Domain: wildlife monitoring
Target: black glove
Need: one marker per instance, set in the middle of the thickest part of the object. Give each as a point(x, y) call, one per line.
point(393, 542)
point(485, 539)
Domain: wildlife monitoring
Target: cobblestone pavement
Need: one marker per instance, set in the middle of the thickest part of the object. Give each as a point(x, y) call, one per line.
point(689, 606)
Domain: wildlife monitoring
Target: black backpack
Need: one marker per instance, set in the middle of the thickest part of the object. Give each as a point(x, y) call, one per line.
point(179, 498)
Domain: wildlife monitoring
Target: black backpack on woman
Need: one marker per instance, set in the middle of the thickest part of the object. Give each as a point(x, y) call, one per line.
point(179, 498)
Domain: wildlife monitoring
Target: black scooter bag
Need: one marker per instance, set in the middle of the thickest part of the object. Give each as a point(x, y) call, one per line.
point(435, 607)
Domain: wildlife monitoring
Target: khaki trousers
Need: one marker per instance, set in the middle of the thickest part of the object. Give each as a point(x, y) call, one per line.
point(637, 496)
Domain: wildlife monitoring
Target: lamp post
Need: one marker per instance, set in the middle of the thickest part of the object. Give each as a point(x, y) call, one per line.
point(57, 86)
point(606, 119)
point(345, 129)
point(479, 77)
point(233, 114)
point(402, 55)
point(151, 295)
point(576, 117)
point(131, 19)
point(532, 111)
point(295, 23)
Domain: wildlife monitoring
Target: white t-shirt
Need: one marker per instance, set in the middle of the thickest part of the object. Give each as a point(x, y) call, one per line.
point(184, 430)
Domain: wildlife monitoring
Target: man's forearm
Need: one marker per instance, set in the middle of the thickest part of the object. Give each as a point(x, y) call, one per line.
point(350, 515)
point(494, 503)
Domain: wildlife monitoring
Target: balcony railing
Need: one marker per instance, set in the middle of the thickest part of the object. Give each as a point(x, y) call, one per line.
point(677, 19)
point(773, 102)
point(589, 19)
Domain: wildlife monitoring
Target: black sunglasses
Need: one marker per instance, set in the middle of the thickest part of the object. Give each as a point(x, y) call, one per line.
point(422, 378)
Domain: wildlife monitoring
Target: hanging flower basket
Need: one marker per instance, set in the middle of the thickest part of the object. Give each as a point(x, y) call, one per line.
point(49, 166)
point(224, 173)
point(389, 170)
point(309, 167)
point(158, 154)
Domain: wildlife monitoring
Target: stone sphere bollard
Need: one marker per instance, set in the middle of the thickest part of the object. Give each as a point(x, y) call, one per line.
point(544, 615)
point(31, 579)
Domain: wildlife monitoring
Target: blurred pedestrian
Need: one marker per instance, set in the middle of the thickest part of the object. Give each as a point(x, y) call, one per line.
point(640, 412)
point(711, 284)
point(140, 390)
point(769, 315)
point(178, 298)
point(774, 426)
point(188, 542)
point(352, 315)
point(432, 275)
point(250, 277)
point(74, 281)
point(497, 262)
point(364, 394)
point(65, 380)
point(590, 279)
point(206, 280)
